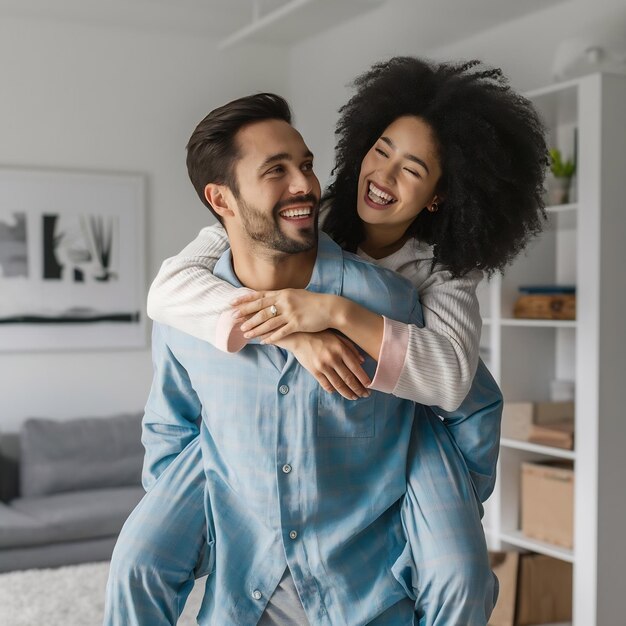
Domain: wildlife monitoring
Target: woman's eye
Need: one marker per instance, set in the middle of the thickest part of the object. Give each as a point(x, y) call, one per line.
point(276, 170)
point(307, 167)
point(381, 152)
point(413, 172)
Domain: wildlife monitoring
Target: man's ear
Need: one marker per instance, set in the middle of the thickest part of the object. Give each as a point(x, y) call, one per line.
point(220, 198)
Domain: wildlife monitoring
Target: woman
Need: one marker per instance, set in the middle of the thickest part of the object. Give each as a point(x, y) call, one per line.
point(456, 141)
point(484, 202)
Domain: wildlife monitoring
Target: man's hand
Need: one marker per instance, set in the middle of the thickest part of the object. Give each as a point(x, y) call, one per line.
point(334, 361)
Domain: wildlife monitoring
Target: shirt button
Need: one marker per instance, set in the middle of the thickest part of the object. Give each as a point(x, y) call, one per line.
point(283, 389)
point(286, 468)
point(257, 595)
point(293, 534)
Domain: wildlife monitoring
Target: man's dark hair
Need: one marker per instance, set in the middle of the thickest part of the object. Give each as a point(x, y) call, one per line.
point(212, 150)
point(491, 147)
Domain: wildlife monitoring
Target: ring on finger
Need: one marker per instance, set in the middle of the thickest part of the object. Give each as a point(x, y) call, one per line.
point(273, 311)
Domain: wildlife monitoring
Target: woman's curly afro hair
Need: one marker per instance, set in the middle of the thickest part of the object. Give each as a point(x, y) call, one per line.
point(492, 152)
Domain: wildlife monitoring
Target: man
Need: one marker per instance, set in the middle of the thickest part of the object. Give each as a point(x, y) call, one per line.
point(301, 490)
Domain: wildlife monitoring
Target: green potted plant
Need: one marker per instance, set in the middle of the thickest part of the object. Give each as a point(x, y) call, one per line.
point(562, 173)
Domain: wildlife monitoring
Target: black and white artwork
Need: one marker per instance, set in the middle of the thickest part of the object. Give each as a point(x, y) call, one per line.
point(13, 250)
point(71, 260)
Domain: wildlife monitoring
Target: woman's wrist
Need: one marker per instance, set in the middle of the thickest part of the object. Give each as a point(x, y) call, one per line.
point(340, 311)
point(362, 326)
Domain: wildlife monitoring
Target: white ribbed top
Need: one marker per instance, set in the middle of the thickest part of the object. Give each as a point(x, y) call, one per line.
point(440, 360)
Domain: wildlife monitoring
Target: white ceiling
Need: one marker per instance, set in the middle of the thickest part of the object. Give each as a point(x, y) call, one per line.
point(442, 21)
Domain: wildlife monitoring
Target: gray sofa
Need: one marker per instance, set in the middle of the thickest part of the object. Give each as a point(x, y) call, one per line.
point(66, 488)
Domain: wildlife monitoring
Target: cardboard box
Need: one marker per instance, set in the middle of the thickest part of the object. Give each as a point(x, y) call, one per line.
point(505, 566)
point(558, 435)
point(553, 412)
point(517, 420)
point(534, 589)
point(547, 502)
point(545, 590)
point(519, 417)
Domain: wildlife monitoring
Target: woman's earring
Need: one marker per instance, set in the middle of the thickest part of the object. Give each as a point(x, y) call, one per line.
point(434, 207)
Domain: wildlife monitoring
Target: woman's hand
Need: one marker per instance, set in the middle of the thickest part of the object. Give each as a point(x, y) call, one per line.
point(333, 361)
point(274, 315)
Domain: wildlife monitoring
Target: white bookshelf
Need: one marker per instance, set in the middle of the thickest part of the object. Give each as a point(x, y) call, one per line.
point(584, 244)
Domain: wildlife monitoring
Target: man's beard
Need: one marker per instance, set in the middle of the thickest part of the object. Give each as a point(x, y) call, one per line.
point(266, 229)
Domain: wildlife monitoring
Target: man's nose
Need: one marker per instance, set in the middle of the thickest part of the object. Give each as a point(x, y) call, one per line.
point(300, 183)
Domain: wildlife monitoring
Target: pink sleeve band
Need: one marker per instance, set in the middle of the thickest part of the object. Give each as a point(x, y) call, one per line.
point(392, 355)
point(228, 335)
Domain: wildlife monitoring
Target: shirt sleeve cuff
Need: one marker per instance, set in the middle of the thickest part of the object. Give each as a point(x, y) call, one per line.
point(392, 355)
point(228, 335)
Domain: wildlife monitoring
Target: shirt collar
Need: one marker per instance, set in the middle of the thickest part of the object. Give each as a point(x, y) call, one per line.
point(327, 276)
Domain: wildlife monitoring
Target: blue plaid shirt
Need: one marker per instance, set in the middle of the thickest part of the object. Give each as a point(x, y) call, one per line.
point(295, 476)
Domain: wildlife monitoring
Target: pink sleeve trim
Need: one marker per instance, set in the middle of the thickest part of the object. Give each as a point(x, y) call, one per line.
point(228, 335)
point(392, 354)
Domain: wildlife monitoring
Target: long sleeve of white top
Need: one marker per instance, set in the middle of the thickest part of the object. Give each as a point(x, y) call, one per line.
point(187, 296)
point(437, 362)
point(442, 357)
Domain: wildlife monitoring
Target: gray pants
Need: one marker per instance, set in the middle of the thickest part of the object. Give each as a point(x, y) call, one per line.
point(284, 607)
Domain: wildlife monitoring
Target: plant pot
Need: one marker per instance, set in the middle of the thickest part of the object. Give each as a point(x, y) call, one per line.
point(573, 189)
point(558, 189)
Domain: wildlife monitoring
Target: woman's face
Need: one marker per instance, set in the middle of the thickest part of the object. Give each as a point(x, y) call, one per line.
point(399, 175)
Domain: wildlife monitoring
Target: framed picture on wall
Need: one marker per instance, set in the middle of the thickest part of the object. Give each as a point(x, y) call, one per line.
point(72, 260)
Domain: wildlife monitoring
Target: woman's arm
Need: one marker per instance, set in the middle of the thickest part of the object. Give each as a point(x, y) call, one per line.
point(434, 365)
point(299, 310)
point(187, 296)
point(440, 358)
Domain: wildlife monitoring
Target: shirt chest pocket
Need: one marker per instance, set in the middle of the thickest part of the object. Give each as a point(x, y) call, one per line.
point(338, 417)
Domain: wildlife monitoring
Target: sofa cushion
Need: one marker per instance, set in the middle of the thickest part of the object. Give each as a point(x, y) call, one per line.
point(83, 453)
point(16, 527)
point(66, 516)
point(9, 466)
point(56, 555)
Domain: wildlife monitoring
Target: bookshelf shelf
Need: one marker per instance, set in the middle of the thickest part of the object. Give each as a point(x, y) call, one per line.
point(528, 323)
point(562, 208)
point(558, 453)
point(518, 539)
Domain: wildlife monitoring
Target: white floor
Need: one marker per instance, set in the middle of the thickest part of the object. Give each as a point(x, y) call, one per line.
point(67, 596)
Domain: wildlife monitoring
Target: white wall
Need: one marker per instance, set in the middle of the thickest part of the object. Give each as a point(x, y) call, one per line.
point(106, 99)
point(320, 68)
point(82, 97)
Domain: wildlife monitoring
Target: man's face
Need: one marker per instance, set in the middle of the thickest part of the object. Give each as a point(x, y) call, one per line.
point(278, 193)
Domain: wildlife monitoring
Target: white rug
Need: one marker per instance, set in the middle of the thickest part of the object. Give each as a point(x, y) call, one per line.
point(66, 596)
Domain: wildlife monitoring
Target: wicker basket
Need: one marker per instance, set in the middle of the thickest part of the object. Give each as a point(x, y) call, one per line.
point(546, 307)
